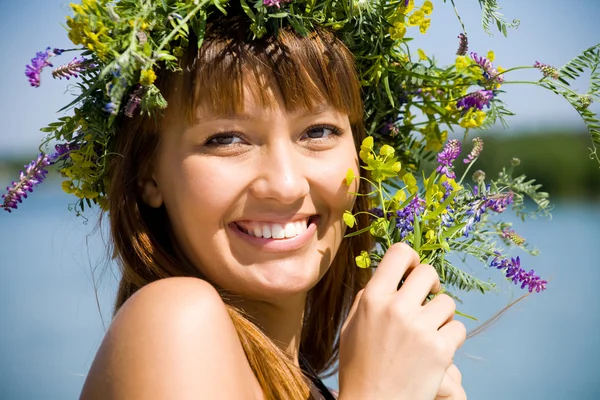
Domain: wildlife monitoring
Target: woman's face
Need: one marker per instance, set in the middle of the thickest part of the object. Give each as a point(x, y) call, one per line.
point(256, 200)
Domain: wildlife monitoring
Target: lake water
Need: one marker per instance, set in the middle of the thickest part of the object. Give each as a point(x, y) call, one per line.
point(545, 347)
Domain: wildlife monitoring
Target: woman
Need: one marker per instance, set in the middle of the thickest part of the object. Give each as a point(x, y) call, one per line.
point(226, 213)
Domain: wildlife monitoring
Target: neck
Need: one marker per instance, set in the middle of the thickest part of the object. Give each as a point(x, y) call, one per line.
point(281, 321)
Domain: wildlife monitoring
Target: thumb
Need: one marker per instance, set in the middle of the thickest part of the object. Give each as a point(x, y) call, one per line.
point(353, 309)
point(451, 388)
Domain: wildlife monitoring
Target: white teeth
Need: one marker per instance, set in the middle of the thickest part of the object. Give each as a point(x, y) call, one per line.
point(290, 230)
point(301, 227)
point(266, 232)
point(277, 231)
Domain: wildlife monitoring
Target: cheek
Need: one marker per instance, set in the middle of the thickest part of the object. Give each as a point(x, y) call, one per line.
point(332, 180)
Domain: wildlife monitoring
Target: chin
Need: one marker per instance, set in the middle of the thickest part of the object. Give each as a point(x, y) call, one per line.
point(281, 279)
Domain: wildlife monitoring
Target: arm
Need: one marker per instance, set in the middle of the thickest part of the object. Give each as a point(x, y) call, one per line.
point(172, 339)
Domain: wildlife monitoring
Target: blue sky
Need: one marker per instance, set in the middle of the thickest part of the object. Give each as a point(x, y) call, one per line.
point(551, 31)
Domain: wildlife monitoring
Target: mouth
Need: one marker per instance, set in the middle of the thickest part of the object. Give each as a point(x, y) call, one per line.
point(276, 231)
point(276, 236)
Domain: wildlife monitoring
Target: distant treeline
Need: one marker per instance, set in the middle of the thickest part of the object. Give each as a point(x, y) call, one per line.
point(558, 160)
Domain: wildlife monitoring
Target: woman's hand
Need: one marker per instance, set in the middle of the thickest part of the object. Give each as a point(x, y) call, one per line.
point(394, 345)
point(451, 387)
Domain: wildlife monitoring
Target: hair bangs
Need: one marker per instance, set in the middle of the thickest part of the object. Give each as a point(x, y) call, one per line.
point(306, 71)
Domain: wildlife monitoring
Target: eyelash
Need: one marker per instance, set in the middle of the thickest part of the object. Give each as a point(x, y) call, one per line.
point(334, 130)
point(210, 141)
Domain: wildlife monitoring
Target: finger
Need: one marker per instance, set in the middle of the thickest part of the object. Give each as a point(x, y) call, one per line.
point(418, 284)
point(399, 259)
point(439, 311)
point(450, 389)
point(454, 373)
point(353, 308)
point(455, 332)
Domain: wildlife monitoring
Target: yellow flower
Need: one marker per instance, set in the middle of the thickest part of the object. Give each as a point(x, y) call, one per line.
point(427, 7)
point(349, 219)
point(386, 150)
point(425, 25)
point(491, 56)
point(349, 176)
point(147, 77)
point(434, 142)
point(397, 31)
point(462, 62)
point(472, 119)
point(363, 260)
point(409, 7)
point(67, 187)
point(416, 18)
point(367, 143)
point(422, 55)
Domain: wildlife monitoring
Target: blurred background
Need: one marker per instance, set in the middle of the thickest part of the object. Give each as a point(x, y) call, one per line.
point(57, 284)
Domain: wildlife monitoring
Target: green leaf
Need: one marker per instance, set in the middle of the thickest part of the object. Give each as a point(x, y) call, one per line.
point(440, 208)
point(386, 85)
point(416, 234)
point(363, 230)
point(248, 10)
point(448, 233)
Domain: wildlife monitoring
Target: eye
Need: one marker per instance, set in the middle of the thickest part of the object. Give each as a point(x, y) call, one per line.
point(224, 139)
point(321, 132)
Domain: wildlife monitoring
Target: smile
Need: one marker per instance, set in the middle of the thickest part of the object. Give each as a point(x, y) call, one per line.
point(276, 231)
point(276, 236)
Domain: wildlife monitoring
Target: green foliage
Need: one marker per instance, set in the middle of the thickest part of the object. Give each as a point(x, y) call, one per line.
point(588, 60)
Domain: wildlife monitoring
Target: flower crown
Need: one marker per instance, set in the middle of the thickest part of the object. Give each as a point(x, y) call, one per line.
point(410, 104)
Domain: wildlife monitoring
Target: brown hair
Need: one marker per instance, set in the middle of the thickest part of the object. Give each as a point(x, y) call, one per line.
point(307, 71)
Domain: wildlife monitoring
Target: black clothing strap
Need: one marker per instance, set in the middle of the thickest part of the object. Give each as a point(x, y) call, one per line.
point(312, 375)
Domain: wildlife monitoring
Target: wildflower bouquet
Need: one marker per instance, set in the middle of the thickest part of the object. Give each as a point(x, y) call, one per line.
point(410, 105)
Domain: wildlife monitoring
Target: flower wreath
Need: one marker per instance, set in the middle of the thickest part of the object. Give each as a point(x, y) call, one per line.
point(408, 102)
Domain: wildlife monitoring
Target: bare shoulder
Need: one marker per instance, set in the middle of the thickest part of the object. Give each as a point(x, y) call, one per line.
point(172, 339)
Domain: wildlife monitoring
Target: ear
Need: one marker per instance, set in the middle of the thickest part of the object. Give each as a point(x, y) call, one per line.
point(150, 192)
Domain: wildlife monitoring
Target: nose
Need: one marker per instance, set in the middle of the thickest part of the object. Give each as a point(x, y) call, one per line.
point(281, 174)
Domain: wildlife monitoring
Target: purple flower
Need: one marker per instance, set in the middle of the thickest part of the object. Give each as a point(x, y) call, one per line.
point(110, 108)
point(406, 217)
point(475, 151)
point(489, 72)
point(517, 274)
point(463, 45)
point(377, 211)
point(547, 70)
point(35, 172)
point(474, 213)
point(513, 237)
point(62, 150)
point(499, 202)
point(38, 63)
point(447, 156)
point(477, 99)
point(71, 69)
point(135, 99)
point(275, 3)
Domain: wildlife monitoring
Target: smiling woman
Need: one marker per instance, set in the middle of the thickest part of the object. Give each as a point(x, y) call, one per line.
point(241, 184)
point(239, 279)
